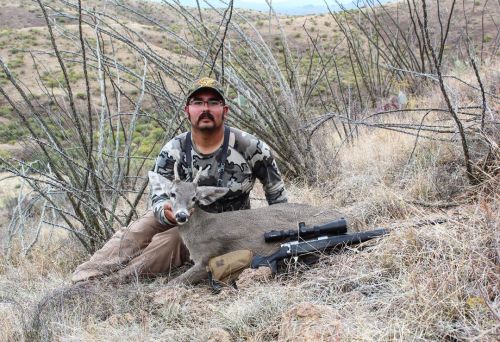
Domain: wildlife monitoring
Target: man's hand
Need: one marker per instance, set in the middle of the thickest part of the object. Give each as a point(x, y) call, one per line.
point(169, 214)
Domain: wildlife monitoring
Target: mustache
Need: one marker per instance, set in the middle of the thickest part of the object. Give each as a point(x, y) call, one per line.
point(206, 115)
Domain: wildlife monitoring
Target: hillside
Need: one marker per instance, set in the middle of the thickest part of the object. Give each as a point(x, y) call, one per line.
point(390, 119)
point(25, 46)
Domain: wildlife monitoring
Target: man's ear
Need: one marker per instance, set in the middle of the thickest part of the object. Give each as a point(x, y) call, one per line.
point(208, 194)
point(159, 184)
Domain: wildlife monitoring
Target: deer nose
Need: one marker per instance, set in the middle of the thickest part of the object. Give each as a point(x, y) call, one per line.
point(181, 217)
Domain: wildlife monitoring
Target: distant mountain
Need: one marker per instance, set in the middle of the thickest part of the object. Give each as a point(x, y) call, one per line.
point(290, 8)
point(302, 10)
point(305, 7)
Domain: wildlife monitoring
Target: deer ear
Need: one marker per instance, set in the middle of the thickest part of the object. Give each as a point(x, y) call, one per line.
point(208, 194)
point(159, 184)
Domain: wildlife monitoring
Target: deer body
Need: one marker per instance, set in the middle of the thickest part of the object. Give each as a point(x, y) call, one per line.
point(207, 235)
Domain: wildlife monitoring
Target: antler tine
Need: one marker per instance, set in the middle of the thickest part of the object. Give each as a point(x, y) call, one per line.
point(176, 171)
point(198, 174)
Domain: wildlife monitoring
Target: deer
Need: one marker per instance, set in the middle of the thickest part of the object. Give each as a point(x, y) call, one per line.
point(207, 235)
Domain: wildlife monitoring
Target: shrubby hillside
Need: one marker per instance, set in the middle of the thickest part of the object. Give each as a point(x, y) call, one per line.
point(387, 113)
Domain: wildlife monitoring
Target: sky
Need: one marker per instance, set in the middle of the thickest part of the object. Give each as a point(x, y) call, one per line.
point(283, 6)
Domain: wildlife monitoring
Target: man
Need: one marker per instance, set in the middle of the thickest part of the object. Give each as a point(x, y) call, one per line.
point(228, 157)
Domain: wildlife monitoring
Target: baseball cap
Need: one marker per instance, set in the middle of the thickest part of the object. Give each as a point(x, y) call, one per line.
point(205, 83)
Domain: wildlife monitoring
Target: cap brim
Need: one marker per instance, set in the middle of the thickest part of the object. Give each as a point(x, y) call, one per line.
point(204, 88)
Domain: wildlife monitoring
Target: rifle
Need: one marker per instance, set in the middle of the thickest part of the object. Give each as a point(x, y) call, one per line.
point(322, 243)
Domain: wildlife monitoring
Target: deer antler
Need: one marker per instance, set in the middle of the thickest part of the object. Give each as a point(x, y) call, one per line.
point(198, 174)
point(176, 172)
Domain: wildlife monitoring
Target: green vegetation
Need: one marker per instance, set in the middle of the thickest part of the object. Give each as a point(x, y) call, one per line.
point(4, 154)
point(4, 79)
point(5, 112)
point(56, 79)
point(5, 32)
point(11, 132)
point(81, 96)
point(16, 62)
point(147, 134)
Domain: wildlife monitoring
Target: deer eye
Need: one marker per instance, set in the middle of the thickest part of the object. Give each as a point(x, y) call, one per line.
point(172, 195)
point(193, 199)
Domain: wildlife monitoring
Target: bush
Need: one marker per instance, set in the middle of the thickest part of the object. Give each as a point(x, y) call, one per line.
point(81, 96)
point(487, 38)
point(10, 133)
point(16, 62)
point(5, 111)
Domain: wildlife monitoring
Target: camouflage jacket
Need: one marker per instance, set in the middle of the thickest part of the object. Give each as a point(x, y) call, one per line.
point(248, 159)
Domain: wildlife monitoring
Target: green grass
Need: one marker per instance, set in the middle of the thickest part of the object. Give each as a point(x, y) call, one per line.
point(11, 132)
point(5, 33)
point(56, 79)
point(5, 111)
point(16, 62)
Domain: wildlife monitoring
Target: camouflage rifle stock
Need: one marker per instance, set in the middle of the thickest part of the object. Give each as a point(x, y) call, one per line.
point(323, 243)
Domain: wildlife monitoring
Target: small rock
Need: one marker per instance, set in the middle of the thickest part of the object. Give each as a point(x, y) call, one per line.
point(218, 335)
point(307, 322)
point(168, 295)
point(118, 319)
point(250, 277)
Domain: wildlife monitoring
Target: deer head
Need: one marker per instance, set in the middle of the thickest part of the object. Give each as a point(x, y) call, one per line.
point(184, 196)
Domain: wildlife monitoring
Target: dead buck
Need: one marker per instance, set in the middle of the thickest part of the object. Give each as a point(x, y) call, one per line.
point(211, 234)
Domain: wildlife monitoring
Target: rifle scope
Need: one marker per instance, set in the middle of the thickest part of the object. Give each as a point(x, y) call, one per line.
point(337, 227)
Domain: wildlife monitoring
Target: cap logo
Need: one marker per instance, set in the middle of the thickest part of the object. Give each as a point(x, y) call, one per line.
point(207, 82)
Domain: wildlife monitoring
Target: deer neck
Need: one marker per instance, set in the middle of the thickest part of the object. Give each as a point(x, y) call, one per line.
point(196, 224)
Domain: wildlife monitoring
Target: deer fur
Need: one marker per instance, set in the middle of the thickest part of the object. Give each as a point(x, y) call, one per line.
point(207, 235)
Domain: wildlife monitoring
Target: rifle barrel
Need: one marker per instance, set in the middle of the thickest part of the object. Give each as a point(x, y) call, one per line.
point(334, 241)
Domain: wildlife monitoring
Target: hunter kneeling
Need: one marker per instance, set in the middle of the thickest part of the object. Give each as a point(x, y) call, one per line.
point(228, 157)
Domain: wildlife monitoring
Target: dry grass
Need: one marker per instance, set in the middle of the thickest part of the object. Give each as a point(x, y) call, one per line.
point(431, 282)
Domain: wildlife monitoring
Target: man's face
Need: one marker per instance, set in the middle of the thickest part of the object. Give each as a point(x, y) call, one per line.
point(205, 110)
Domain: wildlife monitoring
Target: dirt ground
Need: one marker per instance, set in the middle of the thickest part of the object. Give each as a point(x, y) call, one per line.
point(18, 17)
